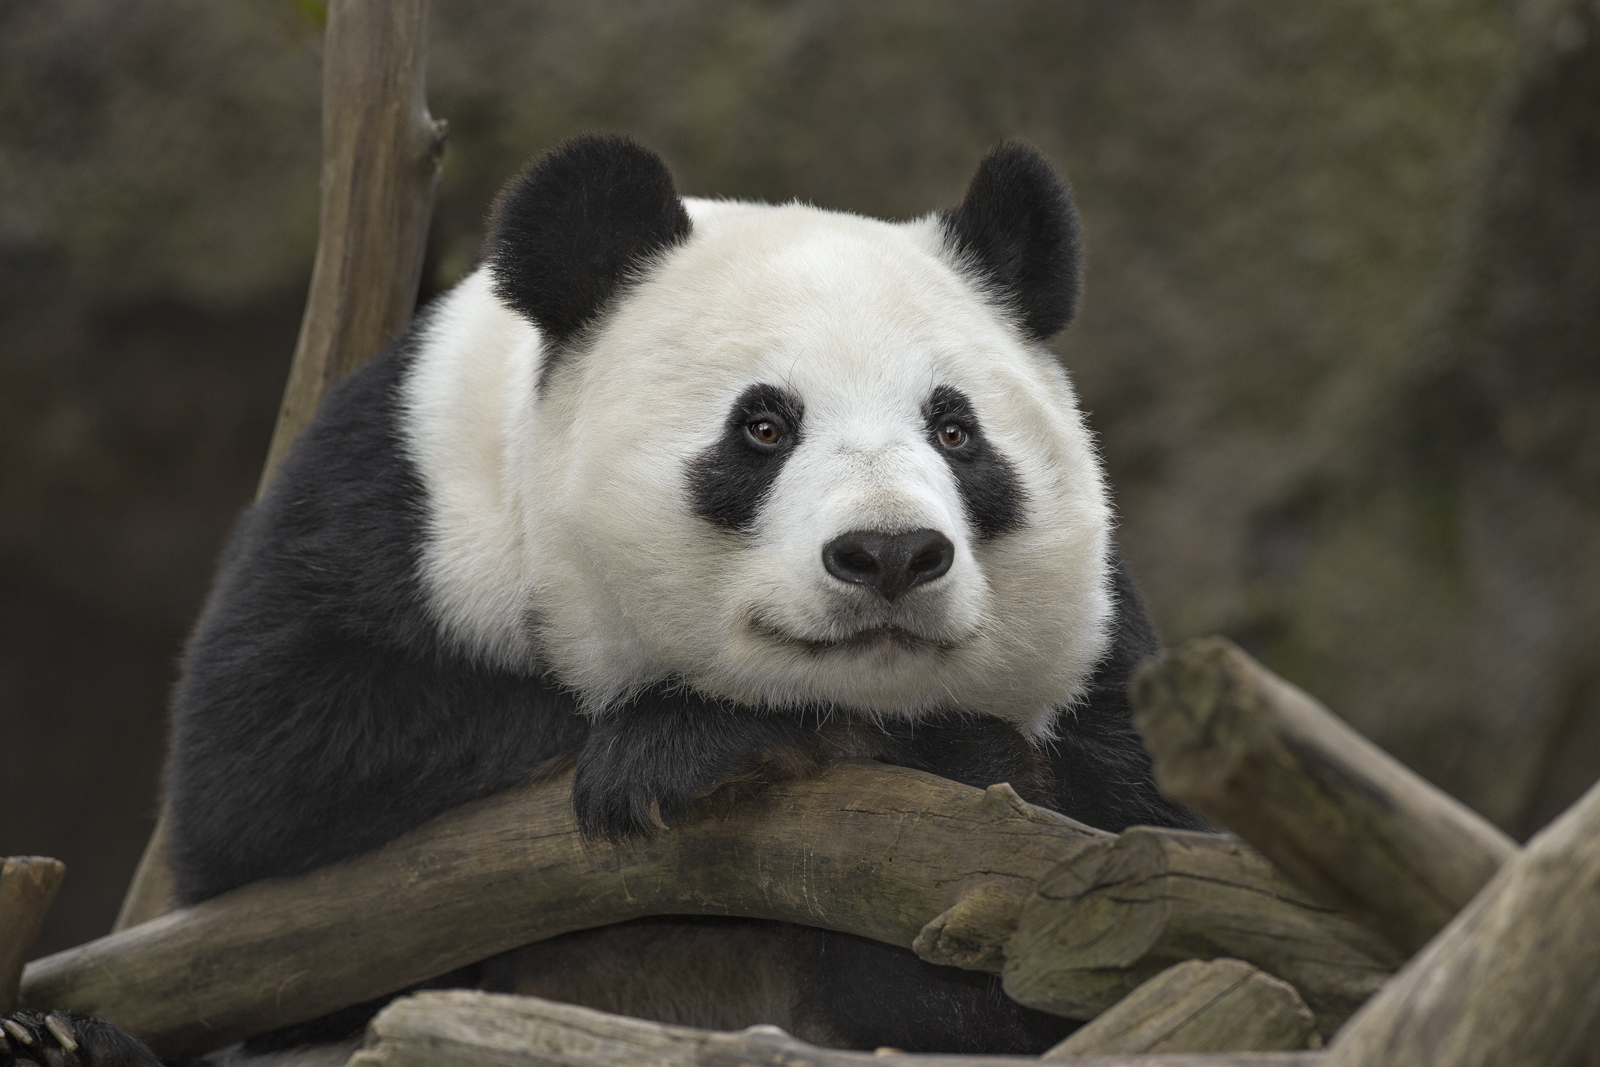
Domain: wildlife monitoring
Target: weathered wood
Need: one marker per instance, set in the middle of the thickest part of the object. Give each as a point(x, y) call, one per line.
point(381, 154)
point(151, 891)
point(1221, 1006)
point(1514, 979)
point(464, 1029)
point(1127, 908)
point(28, 884)
point(380, 167)
point(884, 852)
point(1335, 812)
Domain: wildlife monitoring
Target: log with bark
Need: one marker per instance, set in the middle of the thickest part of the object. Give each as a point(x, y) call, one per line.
point(1220, 1006)
point(381, 156)
point(1336, 813)
point(1514, 979)
point(1126, 908)
point(883, 852)
point(28, 885)
point(463, 1029)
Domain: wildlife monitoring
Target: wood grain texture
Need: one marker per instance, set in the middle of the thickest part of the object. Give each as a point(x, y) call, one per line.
point(1218, 1006)
point(1336, 813)
point(1123, 910)
point(883, 852)
point(380, 167)
point(465, 1029)
point(28, 885)
point(1514, 979)
point(381, 155)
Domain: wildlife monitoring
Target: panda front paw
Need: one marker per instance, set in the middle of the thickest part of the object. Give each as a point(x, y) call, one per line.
point(66, 1039)
point(642, 766)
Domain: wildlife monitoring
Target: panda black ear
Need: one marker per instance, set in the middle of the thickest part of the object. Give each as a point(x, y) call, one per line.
point(570, 230)
point(1018, 229)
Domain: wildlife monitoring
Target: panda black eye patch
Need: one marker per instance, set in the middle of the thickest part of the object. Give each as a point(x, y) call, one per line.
point(993, 494)
point(729, 480)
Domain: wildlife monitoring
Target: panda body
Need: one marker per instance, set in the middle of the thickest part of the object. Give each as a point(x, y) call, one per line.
point(547, 523)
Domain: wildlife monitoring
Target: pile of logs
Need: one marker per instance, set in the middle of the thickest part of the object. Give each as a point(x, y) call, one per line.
point(1261, 948)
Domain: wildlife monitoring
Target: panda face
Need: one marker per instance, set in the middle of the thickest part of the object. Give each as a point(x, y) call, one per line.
point(806, 463)
point(792, 458)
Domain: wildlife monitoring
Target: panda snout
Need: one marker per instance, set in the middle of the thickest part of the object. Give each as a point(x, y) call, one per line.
point(888, 563)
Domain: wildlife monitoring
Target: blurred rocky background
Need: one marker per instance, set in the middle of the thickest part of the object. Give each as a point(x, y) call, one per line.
point(1341, 337)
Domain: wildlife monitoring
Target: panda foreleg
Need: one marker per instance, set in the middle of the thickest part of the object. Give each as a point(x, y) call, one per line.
point(645, 763)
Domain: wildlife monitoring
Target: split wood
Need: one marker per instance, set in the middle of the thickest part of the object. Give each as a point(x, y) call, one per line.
point(28, 884)
point(381, 155)
point(1336, 813)
point(1514, 979)
point(469, 1029)
point(1220, 1006)
point(1128, 907)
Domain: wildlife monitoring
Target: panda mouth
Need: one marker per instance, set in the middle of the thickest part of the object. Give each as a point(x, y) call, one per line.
point(872, 639)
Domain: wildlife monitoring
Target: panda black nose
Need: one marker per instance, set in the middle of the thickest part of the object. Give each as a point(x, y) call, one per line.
point(889, 563)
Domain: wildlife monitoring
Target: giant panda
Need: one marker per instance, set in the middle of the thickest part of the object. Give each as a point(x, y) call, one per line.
point(686, 491)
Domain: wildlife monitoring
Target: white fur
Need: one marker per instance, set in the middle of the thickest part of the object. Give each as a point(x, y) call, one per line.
point(563, 536)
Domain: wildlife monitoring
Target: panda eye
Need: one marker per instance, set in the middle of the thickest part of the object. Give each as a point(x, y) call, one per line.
point(765, 433)
point(952, 435)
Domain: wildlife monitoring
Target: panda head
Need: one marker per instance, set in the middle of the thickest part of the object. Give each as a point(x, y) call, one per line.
point(802, 459)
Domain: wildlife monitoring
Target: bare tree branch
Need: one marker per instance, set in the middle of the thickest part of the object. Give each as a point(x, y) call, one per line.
point(1335, 812)
point(1127, 908)
point(1515, 978)
point(381, 154)
point(462, 1029)
point(1221, 1006)
point(27, 886)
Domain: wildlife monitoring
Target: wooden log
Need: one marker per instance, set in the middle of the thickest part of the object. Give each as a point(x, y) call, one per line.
point(1123, 910)
point(467, 1029)
point(1335, 812)
point(1514, 979)
point(884, 852)
point(1220, 1006)
point(381, 155)
point(28, 885)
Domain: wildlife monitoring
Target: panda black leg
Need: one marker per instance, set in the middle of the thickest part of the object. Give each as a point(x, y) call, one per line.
point(644, 764)
point(65, 1039)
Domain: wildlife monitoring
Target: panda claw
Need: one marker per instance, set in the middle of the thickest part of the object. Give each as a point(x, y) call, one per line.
point(18, 1031)
point(62, 1029)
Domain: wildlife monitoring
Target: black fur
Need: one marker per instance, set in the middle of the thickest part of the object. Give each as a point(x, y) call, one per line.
point(318, 714)
point(1018, 229)
point(646, 762)
point(99, 1043)
point(582, 220)
point(730, 479)
point(995, 500)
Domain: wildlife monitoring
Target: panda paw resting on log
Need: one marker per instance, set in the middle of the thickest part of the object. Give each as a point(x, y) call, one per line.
point(700, 494)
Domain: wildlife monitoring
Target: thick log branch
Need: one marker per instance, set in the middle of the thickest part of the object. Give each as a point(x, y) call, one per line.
point(461, 1029)
point(883, 852)
point(1220, 1006)
point(1129, 907)
point(381, 155)
point(1515, 978)
point(380, 167)
point(1335, 812)
point(28, 884)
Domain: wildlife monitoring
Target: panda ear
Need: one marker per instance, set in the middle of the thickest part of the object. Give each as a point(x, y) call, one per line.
point(1018, 230)
point(569, 232)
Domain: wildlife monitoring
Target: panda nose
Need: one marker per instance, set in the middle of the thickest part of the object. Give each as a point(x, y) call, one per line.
point(889, 563)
